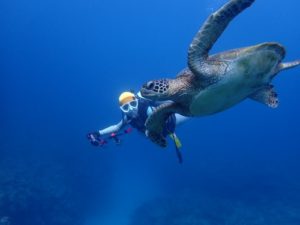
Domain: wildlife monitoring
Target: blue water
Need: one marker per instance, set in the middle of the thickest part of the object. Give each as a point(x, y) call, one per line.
point(63, 65)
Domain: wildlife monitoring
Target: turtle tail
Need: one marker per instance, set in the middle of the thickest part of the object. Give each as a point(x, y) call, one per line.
point(288, 65)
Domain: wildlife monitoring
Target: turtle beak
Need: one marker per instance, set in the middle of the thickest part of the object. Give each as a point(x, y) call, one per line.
point(147, 89)
point(145, 92)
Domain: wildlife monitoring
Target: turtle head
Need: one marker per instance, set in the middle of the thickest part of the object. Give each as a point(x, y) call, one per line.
point(157, 89)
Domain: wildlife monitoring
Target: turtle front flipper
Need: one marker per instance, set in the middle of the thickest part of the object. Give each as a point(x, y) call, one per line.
point(210, 31)
point(156, 122)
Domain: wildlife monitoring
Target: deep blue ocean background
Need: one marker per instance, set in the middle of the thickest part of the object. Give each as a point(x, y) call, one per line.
point(63, 65)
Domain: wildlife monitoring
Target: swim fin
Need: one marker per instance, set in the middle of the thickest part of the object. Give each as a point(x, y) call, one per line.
point(178, 145)
point(176, 140)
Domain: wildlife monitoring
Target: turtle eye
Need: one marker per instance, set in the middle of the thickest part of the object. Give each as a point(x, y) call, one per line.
point(150, 85)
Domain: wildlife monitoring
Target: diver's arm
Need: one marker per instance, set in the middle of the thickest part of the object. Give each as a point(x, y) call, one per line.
point(113, 128)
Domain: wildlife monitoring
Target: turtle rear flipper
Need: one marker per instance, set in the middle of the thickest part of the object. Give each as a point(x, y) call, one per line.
point(211, 31)
point(267, 96)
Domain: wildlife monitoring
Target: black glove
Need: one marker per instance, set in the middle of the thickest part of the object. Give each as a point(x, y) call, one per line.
point(94, 138)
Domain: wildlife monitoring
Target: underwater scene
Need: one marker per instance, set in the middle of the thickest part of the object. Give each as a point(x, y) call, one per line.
point(97, 130)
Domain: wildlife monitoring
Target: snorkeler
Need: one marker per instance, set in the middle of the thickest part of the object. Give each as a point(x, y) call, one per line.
point(135, 111)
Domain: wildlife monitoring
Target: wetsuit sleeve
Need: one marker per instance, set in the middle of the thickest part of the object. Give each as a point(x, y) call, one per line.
point(113, 128)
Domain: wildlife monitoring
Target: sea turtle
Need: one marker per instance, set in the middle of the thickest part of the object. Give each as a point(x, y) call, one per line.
point(214, 83)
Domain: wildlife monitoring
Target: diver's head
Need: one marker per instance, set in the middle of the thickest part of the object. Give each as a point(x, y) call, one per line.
point(129, 104)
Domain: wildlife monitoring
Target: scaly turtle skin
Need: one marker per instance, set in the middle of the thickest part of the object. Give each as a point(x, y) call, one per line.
point(214, 83)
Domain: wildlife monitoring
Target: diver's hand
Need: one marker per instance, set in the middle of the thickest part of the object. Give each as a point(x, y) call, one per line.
point(94, 138)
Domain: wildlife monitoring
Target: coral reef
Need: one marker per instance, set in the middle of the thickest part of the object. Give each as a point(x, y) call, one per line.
point(4, 221)
point(194, 209)
point(36, 190)
point(35, 193)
